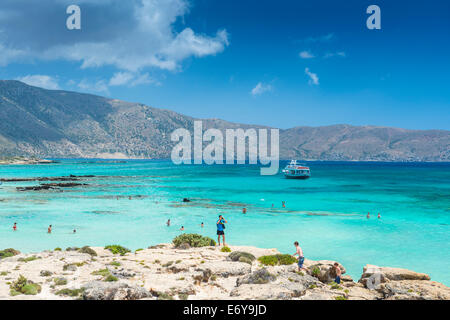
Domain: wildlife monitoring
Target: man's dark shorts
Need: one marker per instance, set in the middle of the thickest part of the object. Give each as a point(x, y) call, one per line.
point(300, 262)
point(220, 233)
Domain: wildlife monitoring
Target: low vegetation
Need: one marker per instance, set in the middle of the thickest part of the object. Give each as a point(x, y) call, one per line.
point(101, 272)
point(70, 292)
point(194, 240)
point(28, 259)
point(24, 286)
point(106, 274)
point(88, 250)
point(10, 252)
point(117, 249)
point(110, 278)
point(60, 281)
point(277, 259)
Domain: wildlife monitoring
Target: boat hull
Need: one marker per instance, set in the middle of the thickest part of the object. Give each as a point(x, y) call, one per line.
point(297, 177)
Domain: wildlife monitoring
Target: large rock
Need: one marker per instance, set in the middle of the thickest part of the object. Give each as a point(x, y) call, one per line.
point(97, 290)
point(386, 273)
point(323, 270)
point(260, 276)
point(241, 256)
point(225, 268)
point(261, 292)
point(414, 290)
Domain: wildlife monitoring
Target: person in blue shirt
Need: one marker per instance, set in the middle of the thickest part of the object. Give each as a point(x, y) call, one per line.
point(221, 229)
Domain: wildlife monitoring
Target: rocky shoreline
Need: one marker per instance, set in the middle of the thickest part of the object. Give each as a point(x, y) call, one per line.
point(22, 160)
point(184, 272)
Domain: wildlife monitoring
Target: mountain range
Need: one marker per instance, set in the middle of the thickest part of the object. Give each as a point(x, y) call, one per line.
point(62, 124)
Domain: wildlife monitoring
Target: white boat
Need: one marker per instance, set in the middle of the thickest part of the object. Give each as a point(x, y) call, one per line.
point(296, 171)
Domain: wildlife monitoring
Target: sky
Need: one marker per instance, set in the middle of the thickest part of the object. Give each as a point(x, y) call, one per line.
point(277, 63)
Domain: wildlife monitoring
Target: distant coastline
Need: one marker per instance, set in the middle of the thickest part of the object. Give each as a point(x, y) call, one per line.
point(24, 160)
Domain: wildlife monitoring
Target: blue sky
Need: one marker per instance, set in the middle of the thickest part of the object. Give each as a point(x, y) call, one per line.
point(276, 63)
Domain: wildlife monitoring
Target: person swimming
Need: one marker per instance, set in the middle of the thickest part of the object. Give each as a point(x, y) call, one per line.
point(202, 225)
point(15, 226)
point(168, 223)
point(244, 210)
point(379, 215)
point(368, 215)
point(74, 230)
point(283, 203)
point(49, 230)
point(182, 228)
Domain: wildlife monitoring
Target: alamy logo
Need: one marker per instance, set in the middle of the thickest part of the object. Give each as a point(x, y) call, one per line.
point(73, 22)
point(236, 141)
point(373, 282)
point(374, 20)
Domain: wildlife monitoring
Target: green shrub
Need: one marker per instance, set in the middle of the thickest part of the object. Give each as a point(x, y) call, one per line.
point(277, 259)
point(60, 281)
point(57, 249)
point(101, 272)
point(194, 240)
point(315, 271)
point(225, 249)
point(6, 253)
point(137, 250)
point(70, 292)
point(24, 286)
point(117, 249)
point(340, 298)
point(183, 296)
point(32, 258)
point(334, 285)
point(168, 264)
point(115, 263)
point(88, 250)
point(164, 296)
point(110, 278)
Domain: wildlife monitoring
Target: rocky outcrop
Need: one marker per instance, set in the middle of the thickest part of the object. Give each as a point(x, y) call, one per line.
point(165, 272)
point(51, 186)
point(388, 273)
point(260, 276)
point(97, 290)
point(323, 269)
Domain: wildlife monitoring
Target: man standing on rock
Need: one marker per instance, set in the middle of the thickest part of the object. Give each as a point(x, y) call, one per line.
point(299, 252)
point(338, 272)
point(221, 229)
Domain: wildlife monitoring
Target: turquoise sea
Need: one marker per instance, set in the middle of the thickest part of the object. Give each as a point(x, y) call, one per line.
point(326, 214)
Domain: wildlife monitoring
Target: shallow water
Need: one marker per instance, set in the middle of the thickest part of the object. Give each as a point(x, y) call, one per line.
point(326, 214)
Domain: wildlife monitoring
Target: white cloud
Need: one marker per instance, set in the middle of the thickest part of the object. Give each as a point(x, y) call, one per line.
point(99, 86)
point(121, 78)
point(129, 35)
point(42, 81)
point(325, 38)
point(131, 79)
point(260, 88)
point(306, 55)
point(335, 54)
point(313, 78)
